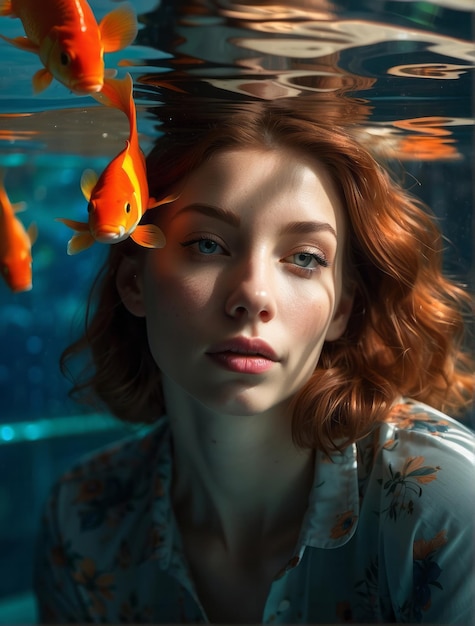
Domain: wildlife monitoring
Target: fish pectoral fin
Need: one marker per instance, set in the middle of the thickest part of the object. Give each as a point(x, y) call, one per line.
point(18, 207)
point(32, 233)
point(41, 80)
point(153, 202)
point(110, 73)
point(23, 43)
point(89, 180)
point(6, 8)
point(80, 242)
point(80, 227)
point(118, 28)
point(148, 236)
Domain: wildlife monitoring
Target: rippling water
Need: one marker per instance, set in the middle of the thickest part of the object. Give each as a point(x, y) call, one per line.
point(400, 71)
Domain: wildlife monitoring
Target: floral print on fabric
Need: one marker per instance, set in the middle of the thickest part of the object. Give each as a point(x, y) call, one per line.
point(380, 541)
point(405, 484)
point(426, 576)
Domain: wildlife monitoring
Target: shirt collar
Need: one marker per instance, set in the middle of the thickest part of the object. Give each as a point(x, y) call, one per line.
point(332, 515)
point(329, 522)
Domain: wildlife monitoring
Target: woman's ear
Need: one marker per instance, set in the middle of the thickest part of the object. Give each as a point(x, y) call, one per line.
point(128, 281)
point(340, 317)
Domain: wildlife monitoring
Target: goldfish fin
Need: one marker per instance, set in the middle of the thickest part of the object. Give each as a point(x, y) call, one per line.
point(80, 242)
point(82, 239)
point(110, 73)
point(6, 8)
point(41, 80)
point(153, 202)
point(118, 28)
point(117, 93)
point(23, 43)
point(149, 236)
point(89, 180)
point(32, 233)
point(18, 207)
point(80, 227)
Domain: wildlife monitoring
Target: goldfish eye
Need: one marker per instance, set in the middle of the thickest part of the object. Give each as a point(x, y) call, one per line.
point(127, 207)
point(64, 58)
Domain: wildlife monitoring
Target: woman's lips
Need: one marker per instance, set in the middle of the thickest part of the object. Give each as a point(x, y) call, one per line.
point(244, 355)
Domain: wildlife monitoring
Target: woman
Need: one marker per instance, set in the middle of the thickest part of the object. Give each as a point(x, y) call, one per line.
point(286, 343)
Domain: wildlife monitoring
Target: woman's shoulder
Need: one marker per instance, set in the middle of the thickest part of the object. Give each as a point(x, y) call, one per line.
point(426, 427)
point(118, 468)
point(419, 441)
point(429, 427)
point(417, 445)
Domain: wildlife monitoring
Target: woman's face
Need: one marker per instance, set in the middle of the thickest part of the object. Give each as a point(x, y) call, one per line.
point(248, 286)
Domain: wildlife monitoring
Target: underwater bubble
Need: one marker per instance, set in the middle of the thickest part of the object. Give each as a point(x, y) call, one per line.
point(35, 375)
point(34, 344)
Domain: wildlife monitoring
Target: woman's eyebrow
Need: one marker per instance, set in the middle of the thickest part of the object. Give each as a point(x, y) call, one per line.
point(307, 228)
point(292, 228)
point(210, 211)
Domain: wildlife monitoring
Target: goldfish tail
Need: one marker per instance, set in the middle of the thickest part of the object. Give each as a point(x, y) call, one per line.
point(148, 236)
point(118, 28)
point(118, 93)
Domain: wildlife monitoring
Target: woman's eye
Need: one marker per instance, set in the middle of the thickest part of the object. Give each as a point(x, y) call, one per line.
point(208, 246)
point(307, 260)
point(204, 245)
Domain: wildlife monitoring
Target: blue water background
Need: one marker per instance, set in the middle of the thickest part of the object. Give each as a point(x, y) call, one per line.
point(406, 67)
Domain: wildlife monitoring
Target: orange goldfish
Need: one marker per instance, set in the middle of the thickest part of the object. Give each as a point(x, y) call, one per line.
point(119, 197)
point(15, 244)
point(69, 41)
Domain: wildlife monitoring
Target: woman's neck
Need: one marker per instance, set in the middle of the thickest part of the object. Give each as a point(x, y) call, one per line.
point(239, 478)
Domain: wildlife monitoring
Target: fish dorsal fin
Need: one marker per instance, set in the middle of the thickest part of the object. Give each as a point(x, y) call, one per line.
point(89, 180)
point(118, 28)
point(149, 236)
point(32, 233)
point(41, 80)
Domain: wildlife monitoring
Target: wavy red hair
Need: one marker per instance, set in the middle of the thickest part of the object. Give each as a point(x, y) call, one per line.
point(406, 332)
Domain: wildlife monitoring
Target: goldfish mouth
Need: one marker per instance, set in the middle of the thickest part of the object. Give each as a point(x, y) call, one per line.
point(109, 234)
point(86, 86)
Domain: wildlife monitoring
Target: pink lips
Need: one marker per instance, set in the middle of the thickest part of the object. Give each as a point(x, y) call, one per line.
point(244, 355)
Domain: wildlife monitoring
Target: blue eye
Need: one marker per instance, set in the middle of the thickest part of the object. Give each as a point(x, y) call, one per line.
point(308, 260)
point(204, 245)
point(304, 259)
point(207, 246)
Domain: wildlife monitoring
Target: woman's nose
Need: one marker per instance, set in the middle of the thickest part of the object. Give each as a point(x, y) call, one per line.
point(251, 294)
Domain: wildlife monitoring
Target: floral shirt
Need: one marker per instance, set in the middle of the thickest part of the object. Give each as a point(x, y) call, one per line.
point(388, 534)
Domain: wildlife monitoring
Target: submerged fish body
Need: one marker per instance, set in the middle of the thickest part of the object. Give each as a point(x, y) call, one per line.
point(119, 197)
point(69, 41)
point(15, 245)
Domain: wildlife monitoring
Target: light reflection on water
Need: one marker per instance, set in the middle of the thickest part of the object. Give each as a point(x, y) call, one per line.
point(400, 72)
